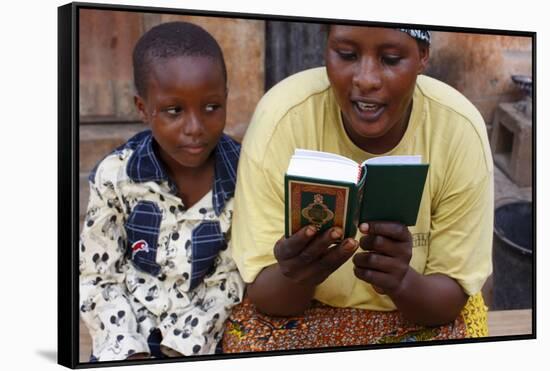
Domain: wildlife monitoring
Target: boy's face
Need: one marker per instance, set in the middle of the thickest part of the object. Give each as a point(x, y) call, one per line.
point(373, 74)
point(185, 107)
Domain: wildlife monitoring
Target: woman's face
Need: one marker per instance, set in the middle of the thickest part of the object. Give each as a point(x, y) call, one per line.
point(373, 74)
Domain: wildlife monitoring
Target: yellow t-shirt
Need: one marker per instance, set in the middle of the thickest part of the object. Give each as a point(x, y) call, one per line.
point(453, 234)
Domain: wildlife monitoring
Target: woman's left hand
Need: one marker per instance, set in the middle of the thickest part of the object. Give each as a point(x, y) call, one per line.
point(388, 251)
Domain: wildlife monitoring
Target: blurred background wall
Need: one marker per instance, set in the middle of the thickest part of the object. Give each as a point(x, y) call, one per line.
point(481, 66)
point(107, 39)
point(260, 53)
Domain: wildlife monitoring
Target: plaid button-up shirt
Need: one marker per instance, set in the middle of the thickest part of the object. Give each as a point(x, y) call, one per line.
point(149, 262)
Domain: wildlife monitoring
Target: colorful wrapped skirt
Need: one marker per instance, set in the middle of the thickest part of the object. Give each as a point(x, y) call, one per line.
point(248, 330)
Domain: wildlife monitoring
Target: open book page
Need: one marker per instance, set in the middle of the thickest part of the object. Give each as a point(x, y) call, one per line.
point(323, 165)
point(394, 160)
point(323, 155)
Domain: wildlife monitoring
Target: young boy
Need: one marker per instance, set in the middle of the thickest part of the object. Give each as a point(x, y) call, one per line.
point(156, 274)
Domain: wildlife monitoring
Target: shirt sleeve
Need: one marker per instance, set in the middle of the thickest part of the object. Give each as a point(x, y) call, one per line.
point(197, 328)
point(461, 232)
point(275, 131)
point(258, 225)
point(104, 302)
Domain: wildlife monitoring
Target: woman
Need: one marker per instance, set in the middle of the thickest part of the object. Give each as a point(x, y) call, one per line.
point(390, 282)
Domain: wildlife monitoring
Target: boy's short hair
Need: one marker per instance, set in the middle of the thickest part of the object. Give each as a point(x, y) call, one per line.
point(172, 39)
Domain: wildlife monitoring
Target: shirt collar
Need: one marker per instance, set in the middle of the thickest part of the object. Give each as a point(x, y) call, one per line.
point(144, 166)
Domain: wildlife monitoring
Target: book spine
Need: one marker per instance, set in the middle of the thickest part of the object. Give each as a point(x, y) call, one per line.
point(355, 206)
point(353, 215)
point(288, 215)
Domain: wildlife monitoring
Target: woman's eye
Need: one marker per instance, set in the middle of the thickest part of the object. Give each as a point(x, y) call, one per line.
point(173, 111)
point(212, 107)
point(391, 60)
point(346, 55)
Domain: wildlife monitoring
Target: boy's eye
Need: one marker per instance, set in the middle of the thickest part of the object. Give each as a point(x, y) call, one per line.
point(174, 111)
point(346, 55)
point(212, 107)
point(391, 60)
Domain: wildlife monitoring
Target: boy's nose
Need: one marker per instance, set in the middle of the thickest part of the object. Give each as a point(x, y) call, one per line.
point(367, 76)
point(192, 126)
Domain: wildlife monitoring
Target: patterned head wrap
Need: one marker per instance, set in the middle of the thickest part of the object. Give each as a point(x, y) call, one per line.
point(421, 35)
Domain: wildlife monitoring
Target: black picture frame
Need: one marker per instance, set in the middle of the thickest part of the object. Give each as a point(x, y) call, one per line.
point(68, 172)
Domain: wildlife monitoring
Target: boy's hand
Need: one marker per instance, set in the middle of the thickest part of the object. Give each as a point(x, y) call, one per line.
point(308, 257)
point(385, 263)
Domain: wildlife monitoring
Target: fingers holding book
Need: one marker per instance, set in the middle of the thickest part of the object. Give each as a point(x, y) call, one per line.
point(394, 230)
point(388, 251)
point(287, 248)
point(309, 256)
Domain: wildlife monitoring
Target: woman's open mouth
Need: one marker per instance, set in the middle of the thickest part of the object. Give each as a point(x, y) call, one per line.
point(368, 111)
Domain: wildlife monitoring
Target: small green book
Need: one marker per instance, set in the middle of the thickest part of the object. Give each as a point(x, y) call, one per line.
point(324, 189)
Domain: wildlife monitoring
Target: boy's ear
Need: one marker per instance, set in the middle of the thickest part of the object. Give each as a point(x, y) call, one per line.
point(142, 108)
point(424, 51)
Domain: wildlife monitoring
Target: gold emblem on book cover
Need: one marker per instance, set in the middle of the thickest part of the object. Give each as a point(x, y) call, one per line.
point(317, 213)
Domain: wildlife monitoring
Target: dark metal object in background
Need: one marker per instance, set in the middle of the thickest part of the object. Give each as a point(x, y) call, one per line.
point(525, 83)
point(513, 256)
point(292, 47)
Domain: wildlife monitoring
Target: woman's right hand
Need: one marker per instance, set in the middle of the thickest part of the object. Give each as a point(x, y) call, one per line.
point(308, 257)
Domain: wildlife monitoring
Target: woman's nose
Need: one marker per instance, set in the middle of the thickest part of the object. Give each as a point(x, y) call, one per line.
point(367, 76)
